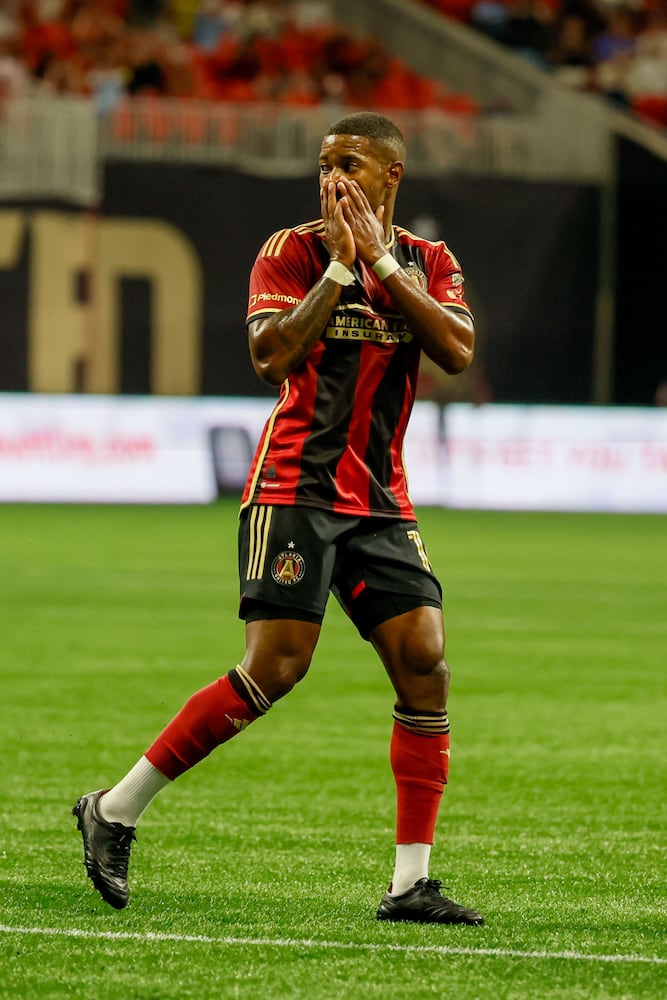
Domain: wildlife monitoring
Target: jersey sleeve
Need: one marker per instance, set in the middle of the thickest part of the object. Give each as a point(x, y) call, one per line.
point(445, 279)
point(281, 275)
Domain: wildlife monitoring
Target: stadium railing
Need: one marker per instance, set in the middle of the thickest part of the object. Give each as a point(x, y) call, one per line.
point(49, 148)
point(282, 141)
point(57, 147)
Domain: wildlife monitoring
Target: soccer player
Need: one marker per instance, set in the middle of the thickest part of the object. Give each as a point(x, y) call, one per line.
point(340, 310)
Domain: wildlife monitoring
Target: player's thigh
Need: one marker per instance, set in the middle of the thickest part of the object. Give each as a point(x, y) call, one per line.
point(286, 559)
point(382, 572)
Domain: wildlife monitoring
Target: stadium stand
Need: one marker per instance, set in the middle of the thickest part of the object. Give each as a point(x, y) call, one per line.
point(615, 49)
point(215, 50)
point(298, 54)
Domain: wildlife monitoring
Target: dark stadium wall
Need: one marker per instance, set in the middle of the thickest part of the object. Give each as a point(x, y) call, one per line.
point(528, 253)
point(14, 297)
point(641, 272)
point(172, 247)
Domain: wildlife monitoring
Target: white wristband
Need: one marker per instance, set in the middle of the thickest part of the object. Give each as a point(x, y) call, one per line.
point(385, 266)
point(339, 273)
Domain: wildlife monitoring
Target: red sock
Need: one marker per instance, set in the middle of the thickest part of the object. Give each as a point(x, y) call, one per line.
point(420, 763)
point(210, 717)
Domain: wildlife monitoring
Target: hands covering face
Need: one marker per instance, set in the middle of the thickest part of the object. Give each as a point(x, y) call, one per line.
point(351, 227)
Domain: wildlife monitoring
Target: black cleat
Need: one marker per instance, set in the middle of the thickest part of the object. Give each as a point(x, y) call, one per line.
point(423, 904)
point(106, 849)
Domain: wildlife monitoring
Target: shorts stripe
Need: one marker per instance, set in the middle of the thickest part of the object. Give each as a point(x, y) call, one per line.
point(260, 524)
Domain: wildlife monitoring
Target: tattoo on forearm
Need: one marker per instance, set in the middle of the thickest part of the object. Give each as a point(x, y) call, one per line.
point(307, 321)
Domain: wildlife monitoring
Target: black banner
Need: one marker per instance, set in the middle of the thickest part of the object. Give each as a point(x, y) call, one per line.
point(640, 368)
point(148, 294)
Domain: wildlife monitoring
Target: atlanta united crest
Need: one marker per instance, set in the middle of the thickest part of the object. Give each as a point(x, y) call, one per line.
point(288, 568)
point(417, 275)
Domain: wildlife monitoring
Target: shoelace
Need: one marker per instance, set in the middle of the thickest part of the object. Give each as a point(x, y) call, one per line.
point(434, 885)
point(119, 851)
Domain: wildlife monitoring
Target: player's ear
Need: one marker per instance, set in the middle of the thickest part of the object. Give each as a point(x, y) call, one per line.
point(395, 173)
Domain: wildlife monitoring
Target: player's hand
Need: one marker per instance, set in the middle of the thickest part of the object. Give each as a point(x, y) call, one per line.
point(337, 232)
point(366, 225)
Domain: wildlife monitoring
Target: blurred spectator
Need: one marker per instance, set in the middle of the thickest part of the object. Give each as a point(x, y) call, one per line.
point(613, 53)
point(617, 48)
point(212, 20)
point(530, 29)
point(648, 73)
point(232, 50)
point(145, 13)
point(290, 50)
point(571, 56)
point(491, 18)
point(15, 80)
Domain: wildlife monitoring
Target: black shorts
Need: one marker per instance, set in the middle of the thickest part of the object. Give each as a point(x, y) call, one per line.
point(291, 558)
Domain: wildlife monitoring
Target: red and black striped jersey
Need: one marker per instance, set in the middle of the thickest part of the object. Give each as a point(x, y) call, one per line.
point(335, 437)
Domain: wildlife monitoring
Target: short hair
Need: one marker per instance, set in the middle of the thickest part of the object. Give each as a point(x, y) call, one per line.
point(375, 127)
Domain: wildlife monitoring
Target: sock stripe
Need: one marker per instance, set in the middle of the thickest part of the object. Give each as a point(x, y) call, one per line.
point(249, 690)
point(428, 723)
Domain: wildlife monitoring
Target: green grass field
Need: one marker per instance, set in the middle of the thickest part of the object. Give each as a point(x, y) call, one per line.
point(257, 875)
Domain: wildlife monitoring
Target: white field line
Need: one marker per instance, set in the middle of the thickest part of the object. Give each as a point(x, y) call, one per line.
point(574, 956)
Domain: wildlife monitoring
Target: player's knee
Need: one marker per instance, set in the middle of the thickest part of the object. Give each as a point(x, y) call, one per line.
point(278, 654)
point(281, 673)
point(290, 668)
point(433, 668)
point(425, 656)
